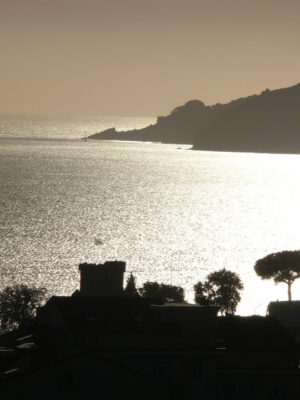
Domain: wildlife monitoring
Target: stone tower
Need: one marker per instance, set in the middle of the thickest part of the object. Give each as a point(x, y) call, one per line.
point(102, 280)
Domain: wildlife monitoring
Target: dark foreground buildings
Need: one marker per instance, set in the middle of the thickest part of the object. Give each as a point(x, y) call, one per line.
point(97, 344)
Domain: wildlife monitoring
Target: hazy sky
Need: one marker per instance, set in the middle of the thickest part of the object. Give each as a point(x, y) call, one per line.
point(142, 57)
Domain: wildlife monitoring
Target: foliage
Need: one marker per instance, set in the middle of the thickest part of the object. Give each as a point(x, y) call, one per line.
point(221, 288)
point(18, 306)
point(283, 266)
point(168, 293)
point(204, 293)
point(130, 289)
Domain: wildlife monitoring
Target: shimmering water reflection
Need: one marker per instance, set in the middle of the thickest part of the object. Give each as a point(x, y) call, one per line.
point(171, 214)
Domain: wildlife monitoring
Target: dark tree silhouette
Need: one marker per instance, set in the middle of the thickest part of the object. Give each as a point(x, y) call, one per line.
point(168, 293)
point(18, 306)
point(283, 266)
point(204, 293)
point(221, 288)
point(130, 289)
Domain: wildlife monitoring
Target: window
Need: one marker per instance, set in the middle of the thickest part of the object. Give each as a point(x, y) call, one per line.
point(197, 371)
point(66, 380)
point(277, 391)
point(227, 390)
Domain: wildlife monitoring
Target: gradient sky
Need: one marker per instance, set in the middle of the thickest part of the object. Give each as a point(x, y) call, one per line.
point(142, 57)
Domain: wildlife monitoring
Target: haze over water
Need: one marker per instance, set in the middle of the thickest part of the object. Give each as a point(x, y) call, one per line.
point(173, 215)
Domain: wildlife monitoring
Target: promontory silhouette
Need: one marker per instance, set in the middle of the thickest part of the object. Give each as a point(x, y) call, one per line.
point(269, 122)
point(179, 127)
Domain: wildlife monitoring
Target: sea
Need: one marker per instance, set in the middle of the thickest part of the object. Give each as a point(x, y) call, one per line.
point(172, 213)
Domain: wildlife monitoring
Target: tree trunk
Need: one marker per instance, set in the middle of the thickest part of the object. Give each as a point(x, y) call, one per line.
point(290, 290)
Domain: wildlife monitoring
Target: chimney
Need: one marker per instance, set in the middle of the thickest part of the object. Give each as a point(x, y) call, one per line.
point(102, 280)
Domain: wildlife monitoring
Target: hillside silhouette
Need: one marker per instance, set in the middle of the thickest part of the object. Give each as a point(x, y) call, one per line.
point(269, 122)
point(179, 127)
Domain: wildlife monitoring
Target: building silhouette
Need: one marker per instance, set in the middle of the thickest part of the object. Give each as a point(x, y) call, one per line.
point(100, 344)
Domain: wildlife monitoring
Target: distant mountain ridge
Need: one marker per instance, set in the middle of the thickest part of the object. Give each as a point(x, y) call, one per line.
point(269, 122)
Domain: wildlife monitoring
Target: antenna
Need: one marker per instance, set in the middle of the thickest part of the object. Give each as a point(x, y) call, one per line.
point(173, 269)
point(134, 270)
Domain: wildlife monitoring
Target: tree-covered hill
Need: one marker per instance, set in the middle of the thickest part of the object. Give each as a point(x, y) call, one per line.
point(269, 122)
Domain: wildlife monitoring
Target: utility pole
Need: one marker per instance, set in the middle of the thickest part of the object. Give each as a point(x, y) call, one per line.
point(172, 269)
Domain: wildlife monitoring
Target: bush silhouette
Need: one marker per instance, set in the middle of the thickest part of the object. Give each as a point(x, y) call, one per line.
point(168, 293)
point(18, 306)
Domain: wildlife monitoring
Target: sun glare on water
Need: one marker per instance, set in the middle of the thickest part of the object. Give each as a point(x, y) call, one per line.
point(172, 215)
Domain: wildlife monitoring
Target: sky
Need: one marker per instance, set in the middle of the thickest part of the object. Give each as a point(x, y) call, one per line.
point(142, 57)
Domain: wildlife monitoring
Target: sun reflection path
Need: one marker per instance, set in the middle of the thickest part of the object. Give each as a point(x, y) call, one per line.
point(168, 213)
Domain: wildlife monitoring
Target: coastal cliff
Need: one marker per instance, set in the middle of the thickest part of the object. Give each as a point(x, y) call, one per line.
point(269, 122)
point(180, 126)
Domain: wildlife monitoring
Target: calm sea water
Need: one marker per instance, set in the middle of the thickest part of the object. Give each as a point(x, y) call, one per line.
point(12, 126)
point(172, 214)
